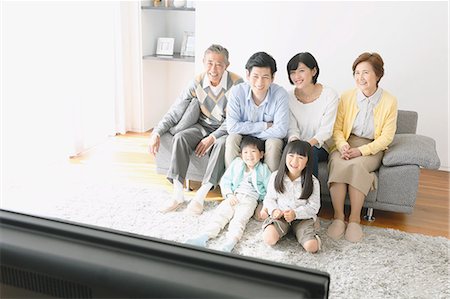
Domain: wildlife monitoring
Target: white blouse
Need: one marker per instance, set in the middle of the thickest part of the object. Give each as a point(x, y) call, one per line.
point(315, 119)
point(289, 200)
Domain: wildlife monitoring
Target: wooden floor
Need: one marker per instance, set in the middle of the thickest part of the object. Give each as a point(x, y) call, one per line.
point(127, 156)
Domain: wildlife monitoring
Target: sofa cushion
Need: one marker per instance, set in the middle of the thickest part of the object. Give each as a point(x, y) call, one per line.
point(412, 149)
point(189, 118)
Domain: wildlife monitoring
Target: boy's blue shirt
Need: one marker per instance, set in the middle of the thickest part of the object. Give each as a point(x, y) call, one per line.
point(235, 172)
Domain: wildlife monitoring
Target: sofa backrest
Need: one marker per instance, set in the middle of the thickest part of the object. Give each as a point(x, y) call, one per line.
point(406, 122)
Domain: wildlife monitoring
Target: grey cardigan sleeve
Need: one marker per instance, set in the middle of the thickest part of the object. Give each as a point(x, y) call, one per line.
point(176, 111)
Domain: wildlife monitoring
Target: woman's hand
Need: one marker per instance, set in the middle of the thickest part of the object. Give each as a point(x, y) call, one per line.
point(289, 215)
point(351, 153)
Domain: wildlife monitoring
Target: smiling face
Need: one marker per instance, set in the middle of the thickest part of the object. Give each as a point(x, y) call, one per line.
point(260, 79)
point(302, 76)
point(365, 78)
point(295, 164)
point(215, 65)
point(251, 155)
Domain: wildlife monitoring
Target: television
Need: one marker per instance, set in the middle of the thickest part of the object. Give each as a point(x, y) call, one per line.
point(43, 257)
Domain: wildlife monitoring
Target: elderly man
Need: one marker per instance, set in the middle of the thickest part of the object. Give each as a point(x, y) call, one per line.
point(210, 89)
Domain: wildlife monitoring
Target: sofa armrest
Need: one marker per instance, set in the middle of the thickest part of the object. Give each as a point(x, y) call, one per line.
point(415, 149)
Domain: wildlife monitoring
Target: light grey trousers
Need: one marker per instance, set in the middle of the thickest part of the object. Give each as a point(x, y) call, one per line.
point(272, 154)
point(184, 144)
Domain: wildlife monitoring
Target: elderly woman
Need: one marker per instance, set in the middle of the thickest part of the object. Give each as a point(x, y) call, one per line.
point(365, 125)
point(312, 107)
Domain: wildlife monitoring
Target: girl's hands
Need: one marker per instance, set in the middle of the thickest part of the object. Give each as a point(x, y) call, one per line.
point(289, 215)
point(277, 214)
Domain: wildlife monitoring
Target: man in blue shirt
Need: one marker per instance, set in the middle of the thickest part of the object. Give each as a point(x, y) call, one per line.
point(259, 108)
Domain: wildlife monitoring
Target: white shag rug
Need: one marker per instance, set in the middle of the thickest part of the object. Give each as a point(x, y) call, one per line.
point(386, 264)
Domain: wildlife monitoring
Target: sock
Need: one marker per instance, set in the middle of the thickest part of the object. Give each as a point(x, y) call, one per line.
point(202, 192)
point(178, 192)
point(198, 241)
point(229, 245)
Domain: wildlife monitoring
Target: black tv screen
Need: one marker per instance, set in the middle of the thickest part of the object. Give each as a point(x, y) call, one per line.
point(67, 260)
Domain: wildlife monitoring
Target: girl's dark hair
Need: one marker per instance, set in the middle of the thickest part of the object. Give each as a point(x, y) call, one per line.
point(307, 59)
point(301, 148)
point(250, 140)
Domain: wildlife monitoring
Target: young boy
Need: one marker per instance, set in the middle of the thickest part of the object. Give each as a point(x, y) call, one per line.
point(243, 185)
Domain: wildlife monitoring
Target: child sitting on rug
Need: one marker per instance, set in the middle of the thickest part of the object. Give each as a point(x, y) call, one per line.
point(242, 185)
point(293, 198)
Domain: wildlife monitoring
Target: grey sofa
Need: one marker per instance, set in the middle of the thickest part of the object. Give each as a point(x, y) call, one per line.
point(398, 176)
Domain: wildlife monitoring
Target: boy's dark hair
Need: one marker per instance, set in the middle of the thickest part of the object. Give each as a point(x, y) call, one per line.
point(250, 140)
point(261, 59)
point(301, 148)
point(307, 59)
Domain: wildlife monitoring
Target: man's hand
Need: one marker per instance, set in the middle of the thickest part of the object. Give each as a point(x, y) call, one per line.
point(204, 145)
point(289, 215)
point(153, 146)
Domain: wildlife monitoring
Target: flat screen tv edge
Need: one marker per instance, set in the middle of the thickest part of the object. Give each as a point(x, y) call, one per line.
point(50, 257)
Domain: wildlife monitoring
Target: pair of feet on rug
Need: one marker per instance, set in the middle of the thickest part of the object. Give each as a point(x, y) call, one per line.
point(352, 232)
point(194, 207)
point(202, 239)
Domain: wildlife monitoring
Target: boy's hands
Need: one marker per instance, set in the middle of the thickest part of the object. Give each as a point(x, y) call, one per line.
point(232, 199)
point(277, 214)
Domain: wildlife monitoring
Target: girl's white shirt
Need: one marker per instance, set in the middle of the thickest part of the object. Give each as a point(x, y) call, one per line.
point(290, 199)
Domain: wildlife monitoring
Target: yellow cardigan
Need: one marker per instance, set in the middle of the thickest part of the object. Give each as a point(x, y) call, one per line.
point(385, 121)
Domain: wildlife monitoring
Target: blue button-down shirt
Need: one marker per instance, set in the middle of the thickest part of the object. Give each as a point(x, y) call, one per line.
point(246, 118)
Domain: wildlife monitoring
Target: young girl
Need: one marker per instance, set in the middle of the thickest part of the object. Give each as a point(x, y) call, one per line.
point(293, 198)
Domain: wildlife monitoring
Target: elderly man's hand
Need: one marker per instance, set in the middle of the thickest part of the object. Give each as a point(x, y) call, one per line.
point(154, 144)
point(204, 145)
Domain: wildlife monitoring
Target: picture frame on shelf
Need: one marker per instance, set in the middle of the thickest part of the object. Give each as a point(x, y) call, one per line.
point(165, 46)
point(188, 45)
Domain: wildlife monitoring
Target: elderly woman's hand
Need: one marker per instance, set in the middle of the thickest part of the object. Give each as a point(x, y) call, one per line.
point(351, 153)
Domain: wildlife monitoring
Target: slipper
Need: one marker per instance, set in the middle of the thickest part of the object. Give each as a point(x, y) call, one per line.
point(336, 229)
point(194, 207)
point(354, 232)
point(172, 206)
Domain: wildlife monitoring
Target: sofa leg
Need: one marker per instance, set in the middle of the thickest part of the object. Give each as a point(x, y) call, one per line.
point(187, 188)
point(369, 215)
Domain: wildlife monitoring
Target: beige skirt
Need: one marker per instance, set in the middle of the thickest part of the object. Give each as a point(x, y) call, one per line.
point(357, 172)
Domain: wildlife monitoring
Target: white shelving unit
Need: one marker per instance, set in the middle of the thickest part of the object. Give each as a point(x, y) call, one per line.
point(163, 77)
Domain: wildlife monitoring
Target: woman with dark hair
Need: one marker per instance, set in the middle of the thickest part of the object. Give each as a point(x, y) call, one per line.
point(365, 125)
point(293, 198)
point(312, 107)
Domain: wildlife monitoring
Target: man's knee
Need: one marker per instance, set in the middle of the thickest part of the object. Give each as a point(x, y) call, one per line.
point(233, 140)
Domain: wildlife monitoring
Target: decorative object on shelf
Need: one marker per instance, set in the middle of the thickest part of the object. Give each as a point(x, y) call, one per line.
point(188, 45)
point(156, 3)
point(165, 46)
point(166, 3)
point(179, 3)
point(190, 4)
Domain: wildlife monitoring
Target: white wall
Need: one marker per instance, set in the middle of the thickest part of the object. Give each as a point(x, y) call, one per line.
point(412, 38)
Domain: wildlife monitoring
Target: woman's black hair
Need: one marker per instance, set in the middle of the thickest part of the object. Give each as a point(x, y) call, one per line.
point(301, 148)
point(307, 59)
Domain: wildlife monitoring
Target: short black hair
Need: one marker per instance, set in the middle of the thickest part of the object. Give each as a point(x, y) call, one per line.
point(307, 59)
point(261, 59)
point(252, 141)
